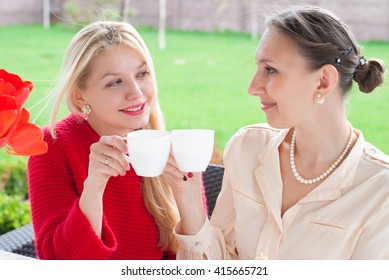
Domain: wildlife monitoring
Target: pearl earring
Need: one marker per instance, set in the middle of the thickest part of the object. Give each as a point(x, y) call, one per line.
point(86, 109)
point(320, 99)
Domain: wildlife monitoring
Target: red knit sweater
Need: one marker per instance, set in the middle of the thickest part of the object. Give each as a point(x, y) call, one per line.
point(55, 184)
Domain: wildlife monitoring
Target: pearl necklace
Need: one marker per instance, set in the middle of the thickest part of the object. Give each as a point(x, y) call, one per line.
point(325, 173)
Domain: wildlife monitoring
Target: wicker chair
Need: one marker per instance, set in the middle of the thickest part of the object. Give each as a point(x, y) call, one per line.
point(212, 178)
point(19, 241)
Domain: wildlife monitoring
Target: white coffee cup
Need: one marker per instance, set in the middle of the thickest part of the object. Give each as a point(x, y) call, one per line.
point(148, 151)
point(192, 148)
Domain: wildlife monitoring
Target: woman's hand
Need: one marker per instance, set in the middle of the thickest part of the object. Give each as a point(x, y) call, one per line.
point(186, 189)
point(105, 160)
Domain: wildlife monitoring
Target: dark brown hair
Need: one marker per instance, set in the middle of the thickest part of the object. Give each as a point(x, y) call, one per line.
point(322, 38)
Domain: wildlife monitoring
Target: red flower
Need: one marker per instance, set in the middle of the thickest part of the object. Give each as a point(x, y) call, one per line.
point(16, 133)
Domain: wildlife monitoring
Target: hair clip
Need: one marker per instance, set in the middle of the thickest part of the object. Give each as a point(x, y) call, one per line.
point(344, 55)
point(362, 61)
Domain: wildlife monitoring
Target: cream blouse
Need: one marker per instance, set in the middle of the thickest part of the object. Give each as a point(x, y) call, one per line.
point(345, 217)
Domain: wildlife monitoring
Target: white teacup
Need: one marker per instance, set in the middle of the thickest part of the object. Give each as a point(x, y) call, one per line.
point(148, 151)
point(192, 148)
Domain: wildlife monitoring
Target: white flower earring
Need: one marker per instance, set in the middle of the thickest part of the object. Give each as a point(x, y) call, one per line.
point(86, 109)
point(320, 99)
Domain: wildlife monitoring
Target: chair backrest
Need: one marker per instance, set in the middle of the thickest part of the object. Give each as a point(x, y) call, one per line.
point(212, 178)
point(19, 241)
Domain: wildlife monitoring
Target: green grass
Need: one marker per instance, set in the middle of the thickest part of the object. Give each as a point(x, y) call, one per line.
point(202, 78)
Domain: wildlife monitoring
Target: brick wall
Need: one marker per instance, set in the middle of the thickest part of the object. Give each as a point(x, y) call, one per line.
point(368, 19)
point(25, 11)
point(15, 12)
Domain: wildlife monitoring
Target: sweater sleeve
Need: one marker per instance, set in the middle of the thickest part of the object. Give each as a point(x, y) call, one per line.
point(61, 230)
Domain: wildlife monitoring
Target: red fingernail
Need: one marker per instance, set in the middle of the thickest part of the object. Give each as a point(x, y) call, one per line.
point(190, 174)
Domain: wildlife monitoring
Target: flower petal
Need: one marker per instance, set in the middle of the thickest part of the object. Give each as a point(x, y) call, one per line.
point(6, 88)
point(26, 140)
point(21, 96)
point(12, 84)
point(3, 141)
point(7, 103)
point(7, 120)
point(11, 78)
point(24, 116)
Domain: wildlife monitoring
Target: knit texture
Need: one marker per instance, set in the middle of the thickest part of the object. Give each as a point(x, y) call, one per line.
point(55, 185)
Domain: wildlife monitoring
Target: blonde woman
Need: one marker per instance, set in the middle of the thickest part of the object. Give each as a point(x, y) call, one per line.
point(86, 201)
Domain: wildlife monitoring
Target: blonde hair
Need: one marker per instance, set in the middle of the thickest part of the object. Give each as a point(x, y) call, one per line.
point(86, 45)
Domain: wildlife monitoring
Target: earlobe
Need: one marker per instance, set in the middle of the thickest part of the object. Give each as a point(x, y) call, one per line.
point(328, 80)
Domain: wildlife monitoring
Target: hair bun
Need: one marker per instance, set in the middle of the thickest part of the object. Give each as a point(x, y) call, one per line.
point(369, 75)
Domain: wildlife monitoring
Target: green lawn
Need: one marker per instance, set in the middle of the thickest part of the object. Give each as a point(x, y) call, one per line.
point(202, 78)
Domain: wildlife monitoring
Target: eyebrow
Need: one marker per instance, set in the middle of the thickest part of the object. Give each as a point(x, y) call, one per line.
point(143, 63)
point(264, 61)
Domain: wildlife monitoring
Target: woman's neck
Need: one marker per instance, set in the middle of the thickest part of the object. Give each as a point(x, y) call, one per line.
point(321, 144)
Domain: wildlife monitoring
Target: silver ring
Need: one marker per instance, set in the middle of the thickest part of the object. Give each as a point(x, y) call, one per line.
point(106, 161)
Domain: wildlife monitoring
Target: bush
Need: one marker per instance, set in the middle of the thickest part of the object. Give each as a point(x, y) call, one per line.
point(14, 208)
point(13, 178)
point(14, 212)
